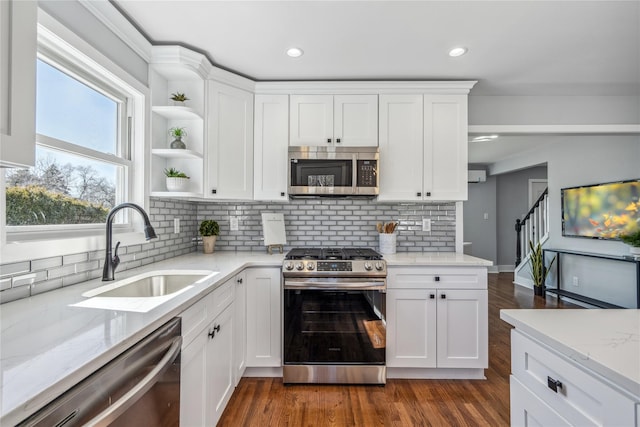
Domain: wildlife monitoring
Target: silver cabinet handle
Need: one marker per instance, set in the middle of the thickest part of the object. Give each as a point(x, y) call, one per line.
point(110, 414)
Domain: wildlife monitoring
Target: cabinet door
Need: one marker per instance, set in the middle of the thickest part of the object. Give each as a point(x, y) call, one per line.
point(230, 149)
point(355, 120)
point(401, 147)
point(240, 327)
point(18, 49)
point(462, 329)
point(193, 382)
point(445, 147)
point(411, 328)
point(264, 347)
point(311, 120)
point(271, 139)
point(219, 369)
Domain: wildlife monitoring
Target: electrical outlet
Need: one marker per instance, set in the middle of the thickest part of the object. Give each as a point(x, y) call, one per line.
point(233, 223)
point(426, 224)
point(176, 225)
point(575, 281)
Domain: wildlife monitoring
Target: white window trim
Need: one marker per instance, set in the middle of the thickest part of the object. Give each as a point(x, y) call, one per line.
point(56, 38)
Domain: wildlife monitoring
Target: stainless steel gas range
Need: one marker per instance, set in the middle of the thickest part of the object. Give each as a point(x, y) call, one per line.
point(334, 316)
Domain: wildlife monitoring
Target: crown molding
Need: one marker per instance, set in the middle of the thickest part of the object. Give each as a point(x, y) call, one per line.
point(119, 25)
point(363, 87)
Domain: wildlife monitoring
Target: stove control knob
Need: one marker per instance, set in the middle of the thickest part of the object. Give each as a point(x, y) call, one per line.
point(288, 265)
point(299, 266)
point(368, 266)
point(379, 266)
point(310, 266)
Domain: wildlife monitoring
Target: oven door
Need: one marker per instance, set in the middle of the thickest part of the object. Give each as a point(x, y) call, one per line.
point(328, 324)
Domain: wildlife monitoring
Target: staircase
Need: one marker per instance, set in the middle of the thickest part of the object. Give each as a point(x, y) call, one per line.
point(533, 227)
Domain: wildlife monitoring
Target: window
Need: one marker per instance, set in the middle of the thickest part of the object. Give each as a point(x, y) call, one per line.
point(82, 153)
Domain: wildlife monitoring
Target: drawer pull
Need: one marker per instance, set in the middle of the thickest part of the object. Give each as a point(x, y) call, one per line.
point(553, 384)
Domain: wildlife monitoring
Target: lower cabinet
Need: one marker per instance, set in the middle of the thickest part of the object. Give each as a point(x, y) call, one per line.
point(548, 388)
point(437, 327)
point(240, 326)
point(264, 348)
point(207, 374)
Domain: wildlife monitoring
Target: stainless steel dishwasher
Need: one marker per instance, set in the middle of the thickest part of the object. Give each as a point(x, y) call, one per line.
point(141, 387)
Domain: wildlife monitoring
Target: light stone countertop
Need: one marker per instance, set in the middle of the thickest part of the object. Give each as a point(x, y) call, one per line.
point(604, 341)
point(47, 346)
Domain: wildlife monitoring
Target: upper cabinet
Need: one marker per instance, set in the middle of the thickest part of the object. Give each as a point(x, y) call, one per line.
point(423, 147)
point(172, 73)
point(334, 120)
point(271, 141)
point(18, 48)
point(230, 143)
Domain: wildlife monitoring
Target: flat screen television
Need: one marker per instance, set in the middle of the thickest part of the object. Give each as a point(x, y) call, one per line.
point(601, 211)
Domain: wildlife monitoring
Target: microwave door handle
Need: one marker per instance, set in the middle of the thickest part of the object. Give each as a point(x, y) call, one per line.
point(110, 414)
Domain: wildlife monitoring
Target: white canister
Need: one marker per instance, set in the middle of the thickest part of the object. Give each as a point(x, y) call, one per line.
point(387, 243)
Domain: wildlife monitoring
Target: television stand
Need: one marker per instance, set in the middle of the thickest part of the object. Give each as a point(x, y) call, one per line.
point(582, 298)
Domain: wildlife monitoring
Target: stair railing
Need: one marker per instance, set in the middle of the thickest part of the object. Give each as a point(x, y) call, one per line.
point(533, 227)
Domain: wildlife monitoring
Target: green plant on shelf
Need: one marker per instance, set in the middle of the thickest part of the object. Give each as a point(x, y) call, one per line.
point(174, 173)
point(179, 97)
point(177, 132)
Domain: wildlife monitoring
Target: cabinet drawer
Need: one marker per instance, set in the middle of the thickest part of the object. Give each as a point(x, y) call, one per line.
point(222, 297)
point(194, 319)
point(437, 277)
point(582, 398)
point(527, 409)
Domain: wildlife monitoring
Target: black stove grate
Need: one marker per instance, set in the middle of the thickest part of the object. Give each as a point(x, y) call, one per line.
point(333, 254)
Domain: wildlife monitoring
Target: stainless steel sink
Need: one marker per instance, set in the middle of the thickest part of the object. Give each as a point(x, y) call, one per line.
point(153, 284)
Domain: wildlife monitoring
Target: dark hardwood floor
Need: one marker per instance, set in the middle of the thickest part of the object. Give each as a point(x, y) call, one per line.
point(267, 402)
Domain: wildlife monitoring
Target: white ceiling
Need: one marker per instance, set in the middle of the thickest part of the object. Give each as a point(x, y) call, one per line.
point(515, 47)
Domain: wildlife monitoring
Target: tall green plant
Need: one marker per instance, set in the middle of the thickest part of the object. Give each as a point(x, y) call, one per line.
point(538, 272)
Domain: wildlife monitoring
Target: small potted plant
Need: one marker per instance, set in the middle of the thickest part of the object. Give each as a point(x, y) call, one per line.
point(179, 99)
point(177, 134)
point(209, 230)
point(176, 180)
point(538, 272)
point(633, 240)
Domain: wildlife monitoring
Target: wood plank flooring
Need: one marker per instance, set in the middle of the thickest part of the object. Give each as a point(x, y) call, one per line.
point(267, 402)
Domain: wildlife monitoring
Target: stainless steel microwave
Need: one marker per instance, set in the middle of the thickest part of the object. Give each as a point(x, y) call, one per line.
point(333, 171)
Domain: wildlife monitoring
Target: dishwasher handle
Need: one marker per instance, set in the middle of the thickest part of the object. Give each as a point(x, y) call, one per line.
point(107, 416)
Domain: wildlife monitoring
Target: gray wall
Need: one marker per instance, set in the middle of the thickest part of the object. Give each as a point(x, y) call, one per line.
point(83, 23)
point(479, 231)
point(512, 200)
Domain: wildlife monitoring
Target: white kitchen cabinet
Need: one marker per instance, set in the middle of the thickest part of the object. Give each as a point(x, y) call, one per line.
point(264, 298)
point(401, 147)
point(437, 318)
point(171, 72)
point(207, 365)
point(271, 141)
point(423, 147)
point(569, 393)
point(411, 328)
point(334, 120)
point(239, 326)
point(230, 143)
point(18, 48)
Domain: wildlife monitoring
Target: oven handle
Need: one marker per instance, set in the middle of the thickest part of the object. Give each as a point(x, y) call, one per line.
point(107, 416)
point(320, 285)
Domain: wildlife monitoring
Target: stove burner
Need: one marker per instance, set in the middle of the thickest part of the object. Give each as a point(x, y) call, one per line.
point(333, 254)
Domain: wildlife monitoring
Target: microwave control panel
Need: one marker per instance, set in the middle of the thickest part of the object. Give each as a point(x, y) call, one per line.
point(367, 173)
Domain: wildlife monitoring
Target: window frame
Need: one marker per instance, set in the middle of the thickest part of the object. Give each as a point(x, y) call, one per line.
point(74, 56)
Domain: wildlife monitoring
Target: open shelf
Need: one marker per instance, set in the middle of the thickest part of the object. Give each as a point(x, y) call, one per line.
point(176, 194)
point(171, 153)
point(176, 112)
point(581, 298)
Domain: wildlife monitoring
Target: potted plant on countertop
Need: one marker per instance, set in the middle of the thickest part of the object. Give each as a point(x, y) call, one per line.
point(633, 240)
point(209, 230)
point(538, 272)
point(176, 180)
point(179, 99)
point(177, 134)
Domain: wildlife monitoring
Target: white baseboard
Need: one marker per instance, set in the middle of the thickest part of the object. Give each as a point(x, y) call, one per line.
point(506, 268)
point(263, 372)
point(436, 373)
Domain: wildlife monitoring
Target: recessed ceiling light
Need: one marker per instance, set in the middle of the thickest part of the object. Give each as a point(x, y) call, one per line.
point(457, 51)
point(295, 52)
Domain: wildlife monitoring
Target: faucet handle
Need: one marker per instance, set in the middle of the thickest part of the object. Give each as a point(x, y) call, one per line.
point(116, 258)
